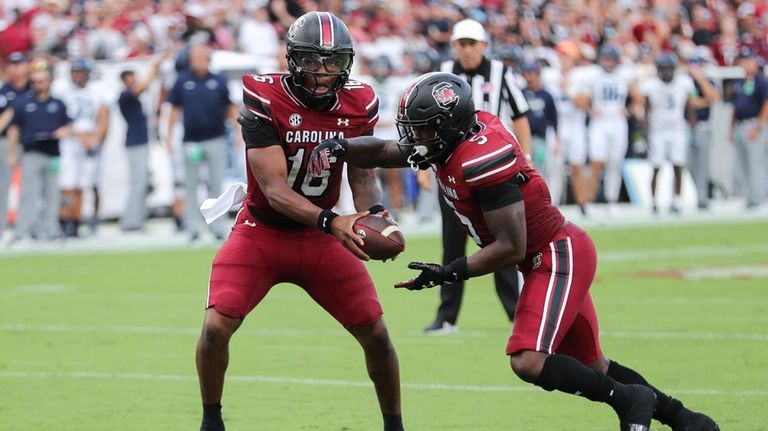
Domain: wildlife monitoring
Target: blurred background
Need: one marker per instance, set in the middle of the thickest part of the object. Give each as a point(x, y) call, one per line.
point(395, 41)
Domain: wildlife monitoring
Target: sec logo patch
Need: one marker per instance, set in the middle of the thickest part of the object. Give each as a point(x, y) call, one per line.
point(294, 120)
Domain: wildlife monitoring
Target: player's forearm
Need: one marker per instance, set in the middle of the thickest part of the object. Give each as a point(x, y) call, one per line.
point(102, 125)
point(291, 204)
point(507, 225)
point(494, 257)
point(365, 192)
point(370, 152)
point(709, 91)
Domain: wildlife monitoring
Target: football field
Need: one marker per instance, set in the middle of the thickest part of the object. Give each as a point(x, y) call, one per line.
point(106, 340)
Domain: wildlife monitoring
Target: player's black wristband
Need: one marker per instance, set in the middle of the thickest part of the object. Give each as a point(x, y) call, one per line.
point(324, 220)
point(458, 269)
point(376, 209)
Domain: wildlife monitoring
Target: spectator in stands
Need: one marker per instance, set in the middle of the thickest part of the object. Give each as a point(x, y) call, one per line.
point(257, 36)
point(39, 122)
point(51, 27)
point(16, 84)
point(17, 36)
point(202, 98)
point(104, 42)
point(704, 26)
point(726, 45)
point(136, 145)
point(748, 133)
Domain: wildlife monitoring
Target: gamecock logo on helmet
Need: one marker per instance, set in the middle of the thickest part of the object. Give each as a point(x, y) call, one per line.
point(444, 95)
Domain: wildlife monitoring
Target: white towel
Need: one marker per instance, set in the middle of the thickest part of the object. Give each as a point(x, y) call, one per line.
point(213, 208)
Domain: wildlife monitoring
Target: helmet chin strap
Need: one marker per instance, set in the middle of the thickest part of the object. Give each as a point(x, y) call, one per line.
point(416, 158)
point(421, 150)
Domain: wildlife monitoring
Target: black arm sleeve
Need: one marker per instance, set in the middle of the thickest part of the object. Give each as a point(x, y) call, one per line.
point(499, 195)
point(257, 133)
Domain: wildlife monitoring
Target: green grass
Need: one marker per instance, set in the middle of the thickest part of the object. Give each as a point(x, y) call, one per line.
point(106, 342)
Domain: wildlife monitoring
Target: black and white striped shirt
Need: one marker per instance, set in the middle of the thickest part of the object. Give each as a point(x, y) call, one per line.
point(494, 88)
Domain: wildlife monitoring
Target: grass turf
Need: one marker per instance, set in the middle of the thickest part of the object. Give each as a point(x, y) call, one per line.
point(106, 342)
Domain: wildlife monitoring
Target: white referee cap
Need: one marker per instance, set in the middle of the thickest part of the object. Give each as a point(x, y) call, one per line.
point(468, 29)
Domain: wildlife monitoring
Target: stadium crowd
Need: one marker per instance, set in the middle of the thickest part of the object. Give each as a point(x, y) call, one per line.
point(545, 41)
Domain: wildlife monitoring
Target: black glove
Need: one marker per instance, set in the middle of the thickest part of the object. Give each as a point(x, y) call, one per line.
point(433, 274)
point(319, 160)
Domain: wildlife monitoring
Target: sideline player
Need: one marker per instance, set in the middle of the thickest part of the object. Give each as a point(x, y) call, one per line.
point(81, 151)
point(667, 97)
point(286, 231)
point(504, 205)
point(606, 98)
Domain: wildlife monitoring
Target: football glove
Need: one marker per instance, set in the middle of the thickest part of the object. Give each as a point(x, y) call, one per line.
point(433, 274)
point(319, 160)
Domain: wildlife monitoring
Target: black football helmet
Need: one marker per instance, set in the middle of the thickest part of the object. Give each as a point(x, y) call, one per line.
point(435, 114)
point(317, 40)
point(665, 66)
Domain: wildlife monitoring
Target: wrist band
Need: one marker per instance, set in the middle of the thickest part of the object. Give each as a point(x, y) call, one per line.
point(377, 209)
point(324, 220)
point(459, 269)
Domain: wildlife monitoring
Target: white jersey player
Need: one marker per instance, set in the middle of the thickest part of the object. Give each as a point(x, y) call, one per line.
point(564, 84)
point(606, 97)
point(87, 105)
point(667, 94)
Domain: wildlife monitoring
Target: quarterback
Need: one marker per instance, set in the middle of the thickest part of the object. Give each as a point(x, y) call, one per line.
point(286, 231)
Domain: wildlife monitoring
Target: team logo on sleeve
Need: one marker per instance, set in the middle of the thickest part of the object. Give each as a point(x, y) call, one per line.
point(294, 120)
point(444, 95)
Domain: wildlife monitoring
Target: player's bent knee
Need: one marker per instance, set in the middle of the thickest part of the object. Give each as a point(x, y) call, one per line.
point(374, 336)
point(527, 364)
point(218, 328)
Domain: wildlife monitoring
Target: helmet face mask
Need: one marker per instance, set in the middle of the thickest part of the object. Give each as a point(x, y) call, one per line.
point(319, 46)
point(422, 139)
point(665, 67)
point(666, 73)
point(435, 114)
point(609, 57)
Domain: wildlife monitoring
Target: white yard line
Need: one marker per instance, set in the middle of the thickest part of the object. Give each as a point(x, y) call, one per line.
point(160, 234)
point(294, 332)
point(326, 382)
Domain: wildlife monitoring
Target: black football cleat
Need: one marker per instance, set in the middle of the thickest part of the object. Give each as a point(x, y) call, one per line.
point(638, 416)
point(697, 422)
point(212, 425)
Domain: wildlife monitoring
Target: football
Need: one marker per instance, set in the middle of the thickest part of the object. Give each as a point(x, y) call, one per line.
point(381, 236)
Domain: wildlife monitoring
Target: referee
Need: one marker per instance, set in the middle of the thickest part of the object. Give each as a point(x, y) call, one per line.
point(494, 90)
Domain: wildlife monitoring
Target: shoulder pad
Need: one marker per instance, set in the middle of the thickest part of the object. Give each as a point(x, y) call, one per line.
point(258, 92)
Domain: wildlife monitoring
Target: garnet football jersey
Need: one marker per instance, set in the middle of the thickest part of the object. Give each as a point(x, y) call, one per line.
point(489, 158)
point(300, 129)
